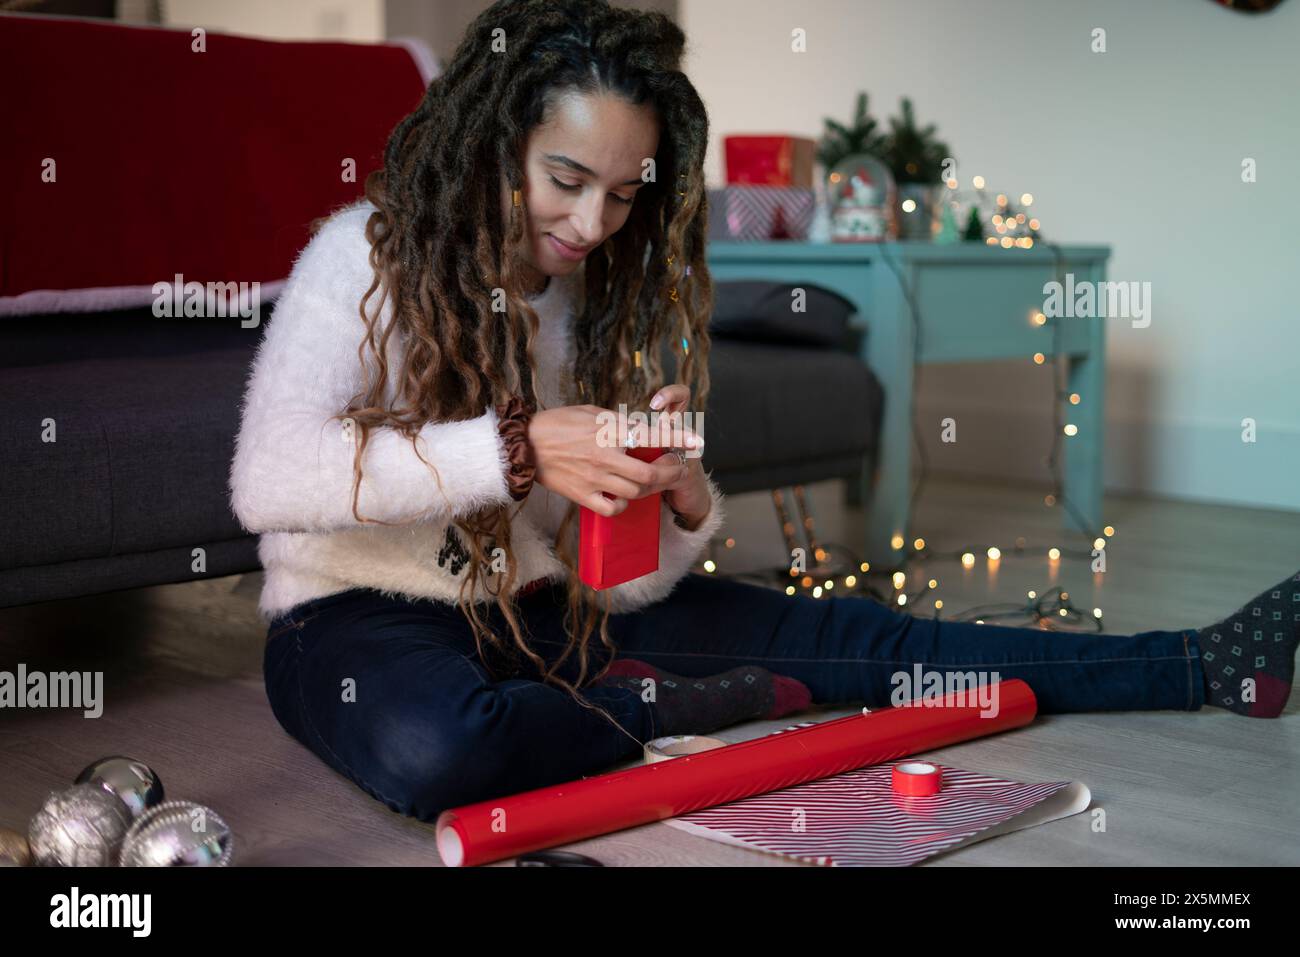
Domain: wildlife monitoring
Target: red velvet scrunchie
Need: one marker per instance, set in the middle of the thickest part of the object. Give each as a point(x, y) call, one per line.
point(513, 417)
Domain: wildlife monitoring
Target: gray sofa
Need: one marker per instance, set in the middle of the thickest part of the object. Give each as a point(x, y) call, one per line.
point(143, 414)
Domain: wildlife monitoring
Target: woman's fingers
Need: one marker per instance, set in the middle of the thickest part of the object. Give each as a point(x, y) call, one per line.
point(673, 466)
point(673, 433)
point(672, 403)
point(601, 504)
point(666, 432)
point(671, 398)
point(663, 473)
point(646, 479)
point(621, 487)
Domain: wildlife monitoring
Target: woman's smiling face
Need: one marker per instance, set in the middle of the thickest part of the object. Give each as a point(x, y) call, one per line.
point(582, 171)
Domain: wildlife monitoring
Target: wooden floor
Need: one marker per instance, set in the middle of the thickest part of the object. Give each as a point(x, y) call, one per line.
point(184, 694)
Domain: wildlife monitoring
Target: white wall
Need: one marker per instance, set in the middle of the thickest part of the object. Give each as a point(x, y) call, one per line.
point(357, 20)
point(1139, 148)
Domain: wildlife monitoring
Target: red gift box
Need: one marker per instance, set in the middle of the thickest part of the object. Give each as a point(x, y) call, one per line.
point(769, 160)
point(615, 549)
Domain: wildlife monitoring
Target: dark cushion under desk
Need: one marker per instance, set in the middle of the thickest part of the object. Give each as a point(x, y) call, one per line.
point(761, 310)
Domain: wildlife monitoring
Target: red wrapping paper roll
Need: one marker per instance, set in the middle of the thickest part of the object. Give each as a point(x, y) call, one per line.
point(560, 814)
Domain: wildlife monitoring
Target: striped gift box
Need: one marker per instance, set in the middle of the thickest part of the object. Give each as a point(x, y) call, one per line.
point(757, 213)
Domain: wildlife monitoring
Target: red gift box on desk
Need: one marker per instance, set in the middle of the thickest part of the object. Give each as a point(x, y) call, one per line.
point(617, 548)
point(769, 160)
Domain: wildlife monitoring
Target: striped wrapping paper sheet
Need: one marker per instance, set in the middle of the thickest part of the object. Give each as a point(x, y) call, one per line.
point(856, 820)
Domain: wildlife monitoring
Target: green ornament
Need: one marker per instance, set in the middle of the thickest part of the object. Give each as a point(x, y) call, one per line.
point(948, 232)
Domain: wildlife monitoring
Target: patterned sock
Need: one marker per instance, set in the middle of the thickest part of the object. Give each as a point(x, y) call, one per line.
point(700, 705)
point(1257, 641)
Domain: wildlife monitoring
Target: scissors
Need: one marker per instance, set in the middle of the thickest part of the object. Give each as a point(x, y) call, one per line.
point(557, 859)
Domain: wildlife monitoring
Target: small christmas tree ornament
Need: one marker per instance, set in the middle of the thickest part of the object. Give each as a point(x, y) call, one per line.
point(178, 834)
point(947, 227)
point(80, 827)
point(133, 782)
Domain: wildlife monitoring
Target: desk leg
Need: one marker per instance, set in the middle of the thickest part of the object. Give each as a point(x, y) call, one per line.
point(1083, 473)
point(889, 352)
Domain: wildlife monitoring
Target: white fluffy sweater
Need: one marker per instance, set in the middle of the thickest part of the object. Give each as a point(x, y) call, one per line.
point(292, 475)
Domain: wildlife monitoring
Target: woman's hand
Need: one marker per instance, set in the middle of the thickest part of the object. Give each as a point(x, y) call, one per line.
point(688, 496)
point(572, 462)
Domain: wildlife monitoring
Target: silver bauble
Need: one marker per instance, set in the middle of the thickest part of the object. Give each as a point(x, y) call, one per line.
point(133, 782)
point(14, 849)
point(80, 827)
point(178, 834)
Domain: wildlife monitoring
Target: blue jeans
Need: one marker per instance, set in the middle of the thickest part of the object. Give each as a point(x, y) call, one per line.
point(394, 694)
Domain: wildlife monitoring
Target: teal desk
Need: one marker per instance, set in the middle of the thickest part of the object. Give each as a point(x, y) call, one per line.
point(975, 302)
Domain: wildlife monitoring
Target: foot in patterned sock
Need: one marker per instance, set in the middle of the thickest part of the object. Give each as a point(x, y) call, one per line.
point(700, 705)
point(1257, 641)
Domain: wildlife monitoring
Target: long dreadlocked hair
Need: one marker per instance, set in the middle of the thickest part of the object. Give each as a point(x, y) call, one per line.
point(439, 249)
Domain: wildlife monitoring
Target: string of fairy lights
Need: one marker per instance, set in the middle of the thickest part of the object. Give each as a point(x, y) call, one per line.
point(837, 569)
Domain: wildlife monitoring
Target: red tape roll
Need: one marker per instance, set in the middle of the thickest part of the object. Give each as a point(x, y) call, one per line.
point(917, 778)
